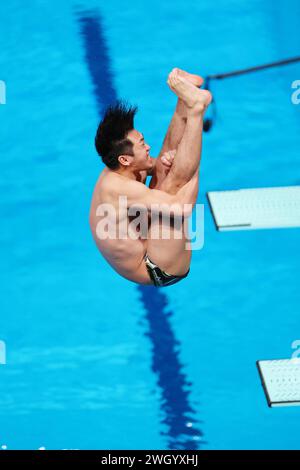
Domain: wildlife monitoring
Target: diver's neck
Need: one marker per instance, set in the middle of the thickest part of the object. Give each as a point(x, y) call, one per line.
point(127, 173)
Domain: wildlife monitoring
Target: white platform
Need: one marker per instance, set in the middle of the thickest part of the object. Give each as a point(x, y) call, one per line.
point(249, 209)
point(281, 381)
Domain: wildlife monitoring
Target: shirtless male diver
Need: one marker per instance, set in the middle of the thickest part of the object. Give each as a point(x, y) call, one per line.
point(152, 259)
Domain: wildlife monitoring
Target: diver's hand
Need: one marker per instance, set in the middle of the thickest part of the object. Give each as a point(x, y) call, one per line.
point(167, 158)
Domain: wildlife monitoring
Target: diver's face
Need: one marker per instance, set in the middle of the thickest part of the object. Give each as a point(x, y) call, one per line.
point(141, 159)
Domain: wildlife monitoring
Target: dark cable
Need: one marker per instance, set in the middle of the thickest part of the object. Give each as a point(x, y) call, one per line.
point(254, 69)
point(209, 121)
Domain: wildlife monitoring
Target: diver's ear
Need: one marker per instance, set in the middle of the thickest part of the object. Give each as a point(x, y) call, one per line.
point(125, 160)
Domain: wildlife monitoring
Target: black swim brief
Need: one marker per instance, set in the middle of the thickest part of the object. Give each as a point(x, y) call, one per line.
point(161, 278)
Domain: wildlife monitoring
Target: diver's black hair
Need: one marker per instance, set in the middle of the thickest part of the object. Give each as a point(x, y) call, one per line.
point(111, 137)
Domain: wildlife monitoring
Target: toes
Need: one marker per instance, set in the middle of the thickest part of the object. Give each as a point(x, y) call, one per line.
point(172, 80)
point(173, 73)
point(179, 79)
point(169, 83)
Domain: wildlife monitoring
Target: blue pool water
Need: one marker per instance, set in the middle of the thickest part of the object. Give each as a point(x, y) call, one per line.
point(93, 361)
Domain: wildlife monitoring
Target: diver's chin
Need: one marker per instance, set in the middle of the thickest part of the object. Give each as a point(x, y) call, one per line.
point(148, 164)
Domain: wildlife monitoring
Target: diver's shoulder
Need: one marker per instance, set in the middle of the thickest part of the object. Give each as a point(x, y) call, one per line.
point(107, 180)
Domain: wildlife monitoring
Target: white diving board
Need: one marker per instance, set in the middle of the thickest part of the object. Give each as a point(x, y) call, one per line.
point(261, 208)
point(281, 381)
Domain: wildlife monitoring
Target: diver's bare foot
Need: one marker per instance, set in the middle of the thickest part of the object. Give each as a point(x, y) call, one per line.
point(196, 100)
point(196, 80)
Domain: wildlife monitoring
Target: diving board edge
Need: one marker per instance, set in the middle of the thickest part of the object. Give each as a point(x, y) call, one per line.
point(255, 208)
point(225, 228)
point(272, 403)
